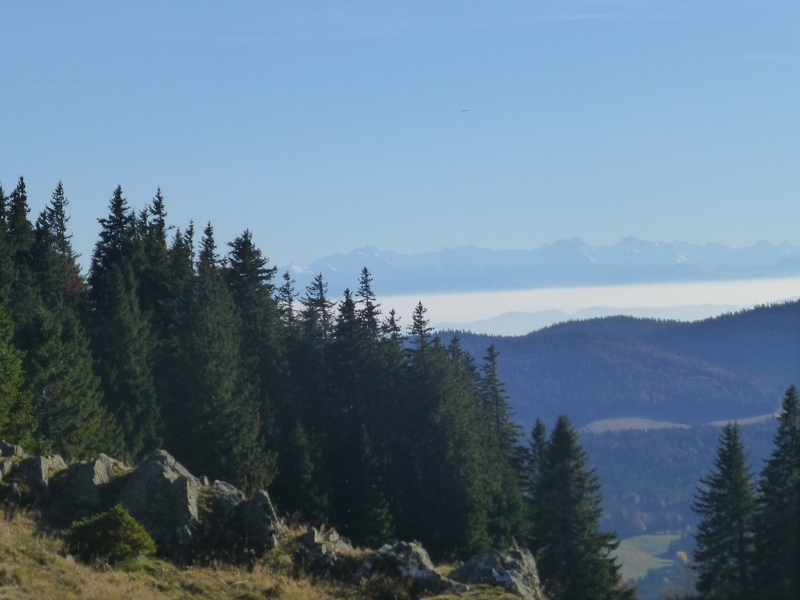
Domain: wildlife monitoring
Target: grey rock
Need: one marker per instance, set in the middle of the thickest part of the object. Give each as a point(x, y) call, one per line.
point(258, 523)
point(226, 498)
point(14, 496)
point(35, 471)
point(84, 480)
point(7, 449)
point(409, 561)
point(162, 495)
point(320, 548)
point(513, 570)
point(5, 467)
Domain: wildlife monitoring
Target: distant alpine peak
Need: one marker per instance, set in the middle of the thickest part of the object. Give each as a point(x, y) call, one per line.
point(565, 262)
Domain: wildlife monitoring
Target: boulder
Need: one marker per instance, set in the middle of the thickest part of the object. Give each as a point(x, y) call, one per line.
point(409, 561)
point(320, 548)
point(257, 522)
point(162, 495)
point(5, 467)
point(217, 506)
point(84, 480)
point(7, 449)
point(513, 570)
point(35, 471)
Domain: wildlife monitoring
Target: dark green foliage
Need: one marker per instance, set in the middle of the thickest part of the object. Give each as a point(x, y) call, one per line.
point(16, 413)
point(221, 419)
point(724, 501)
point(649, 477)
point(299, 485)
point(111, 536)
point(70, 416)
point(121, 338)
point(775, 557)
point(573, 555)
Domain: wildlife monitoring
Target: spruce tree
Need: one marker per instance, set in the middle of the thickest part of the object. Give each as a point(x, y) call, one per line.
point(224, 440)
point(775, 542)
point(6, 261)
point(121, 339)
point(263, 361)
point(58, 274)
point(17, 424)
point(724, 502)
point(70, 417)
point(300, 484)
point(573, 555)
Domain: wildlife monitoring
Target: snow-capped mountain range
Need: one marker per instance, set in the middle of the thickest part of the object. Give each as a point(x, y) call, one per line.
point(565, 263)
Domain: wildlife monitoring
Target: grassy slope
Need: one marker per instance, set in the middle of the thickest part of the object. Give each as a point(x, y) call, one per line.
point(639, 554)
point(35, 565)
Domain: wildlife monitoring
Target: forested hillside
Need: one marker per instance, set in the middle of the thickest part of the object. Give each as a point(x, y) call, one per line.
point(731, 367)
point(649, 477)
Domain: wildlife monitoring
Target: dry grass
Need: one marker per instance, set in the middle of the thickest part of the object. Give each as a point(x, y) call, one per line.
point(34, 564)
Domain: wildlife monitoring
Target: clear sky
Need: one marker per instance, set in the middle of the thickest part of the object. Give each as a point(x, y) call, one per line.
point(414, 125)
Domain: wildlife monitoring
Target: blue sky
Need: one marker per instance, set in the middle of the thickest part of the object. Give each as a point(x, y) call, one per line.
point(326, 126)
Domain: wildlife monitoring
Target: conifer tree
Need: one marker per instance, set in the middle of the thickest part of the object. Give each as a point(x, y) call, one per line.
point(70, 417)
point(573, 555)
point(317, 309)
point(19, 245)
point(58, 274)
point(775, 556)
point(6, 262)
point(17, 424)
point(225, 426)
point(373, 525)
point(369, 310)
point(263, 361)
point(286, 296)
point(497, 409)
point(724, 502)
point(121, 338)
point(299, 486)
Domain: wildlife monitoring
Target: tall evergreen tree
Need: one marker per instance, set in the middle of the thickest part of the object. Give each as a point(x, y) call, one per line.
point(71, 419)
point(497, 408)
point(121, 339)
point(225, 438)
point(775, 556)
point(250, 283)
point(16, 413)
point(6, 261)
point(369, 311)
point(55, 262)
point(724, 502)
point(573, 555)
point(300, 482)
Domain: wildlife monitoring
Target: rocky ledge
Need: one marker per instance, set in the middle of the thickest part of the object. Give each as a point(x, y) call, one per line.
point(189, 518)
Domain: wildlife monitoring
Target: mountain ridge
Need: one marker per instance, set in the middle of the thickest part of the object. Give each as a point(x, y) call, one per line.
point(563, 263)
point(733, 366)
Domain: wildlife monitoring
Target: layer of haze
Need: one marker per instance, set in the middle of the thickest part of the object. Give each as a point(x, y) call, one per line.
point(681, 301)
point(411, 125)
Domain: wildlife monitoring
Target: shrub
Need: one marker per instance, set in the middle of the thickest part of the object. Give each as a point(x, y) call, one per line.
point(112, 535)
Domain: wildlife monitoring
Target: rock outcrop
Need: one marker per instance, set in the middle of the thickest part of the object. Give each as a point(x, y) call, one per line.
point(513, 570)
point(162, 495)
point(183, 516)
point(409, 561)
point(321, 549)
point(84, 481)
point(189, 518)
point(35, 472)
